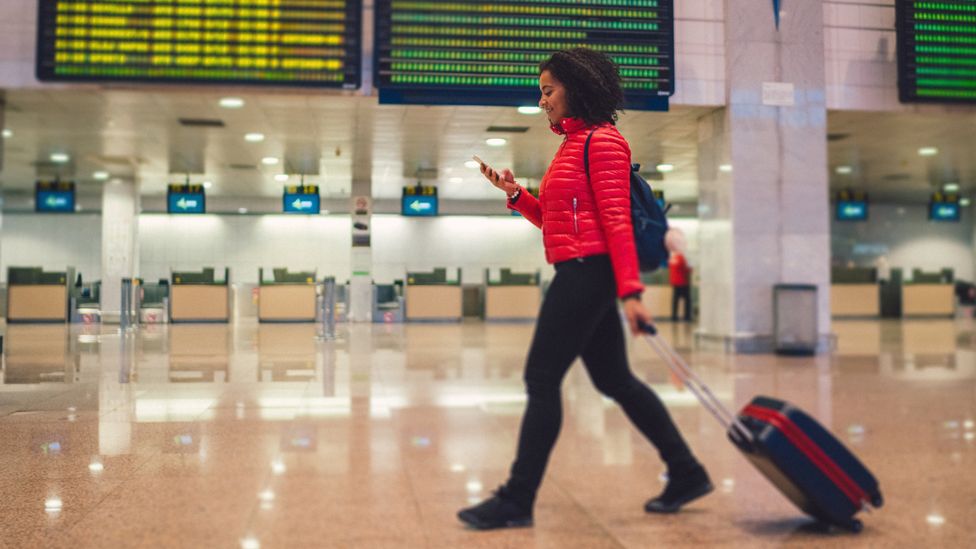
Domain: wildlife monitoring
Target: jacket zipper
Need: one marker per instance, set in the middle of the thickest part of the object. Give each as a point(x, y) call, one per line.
point(575, 217)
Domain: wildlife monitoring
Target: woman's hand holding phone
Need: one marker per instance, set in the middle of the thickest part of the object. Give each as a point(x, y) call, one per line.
point(504, 180)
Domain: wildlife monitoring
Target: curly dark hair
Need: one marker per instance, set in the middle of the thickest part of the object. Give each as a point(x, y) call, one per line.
point(592, 82)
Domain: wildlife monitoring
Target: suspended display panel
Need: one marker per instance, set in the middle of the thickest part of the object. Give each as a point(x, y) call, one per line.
point(486, 52)
point(266, 42)
point(936, 51)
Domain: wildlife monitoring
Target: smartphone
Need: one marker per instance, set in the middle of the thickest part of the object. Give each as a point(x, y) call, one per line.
point(479, 161)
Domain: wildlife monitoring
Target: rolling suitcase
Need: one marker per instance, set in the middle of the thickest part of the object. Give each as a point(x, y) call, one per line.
point(798, 455)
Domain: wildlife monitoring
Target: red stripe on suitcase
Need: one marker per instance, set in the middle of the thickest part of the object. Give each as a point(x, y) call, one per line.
point(809, 448)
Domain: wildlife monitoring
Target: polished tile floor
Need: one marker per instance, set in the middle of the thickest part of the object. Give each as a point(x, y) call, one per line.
point(261, 436)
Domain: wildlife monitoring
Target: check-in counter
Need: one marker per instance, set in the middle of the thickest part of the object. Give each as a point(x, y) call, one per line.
point(927, 300)
point(290, 297)
point(513, 296)
point(657, 300)
point(431, 297)
point(854, 292)
point(855, 300)
point(929, 294)
point(37, 296)
point(198, 297)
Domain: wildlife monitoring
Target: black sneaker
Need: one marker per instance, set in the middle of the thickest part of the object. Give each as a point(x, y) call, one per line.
point(498, 511)
point(681, 490)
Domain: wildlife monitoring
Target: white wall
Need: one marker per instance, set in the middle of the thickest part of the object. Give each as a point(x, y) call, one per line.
point(245, 243)
point(53, 242)
point(908, 239)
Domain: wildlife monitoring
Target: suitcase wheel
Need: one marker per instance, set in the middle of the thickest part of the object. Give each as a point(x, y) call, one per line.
point(855, 526)
point(877, 500)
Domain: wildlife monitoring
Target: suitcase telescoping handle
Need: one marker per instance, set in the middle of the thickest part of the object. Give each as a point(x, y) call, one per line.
point(736, 429)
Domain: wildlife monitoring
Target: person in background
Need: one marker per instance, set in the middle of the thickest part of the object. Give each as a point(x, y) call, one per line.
point(680, 274)
point(588, 236)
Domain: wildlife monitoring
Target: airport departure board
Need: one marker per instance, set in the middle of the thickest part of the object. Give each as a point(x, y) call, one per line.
point(487, 52)
point(936, 50)
point(266, 42)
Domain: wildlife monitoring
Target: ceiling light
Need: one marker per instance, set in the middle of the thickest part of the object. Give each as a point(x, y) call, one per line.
point(60, 158)
point(665, 168)
point(100, 176)
point(844, 170)
point(254, 137)
point(269, 161)
point(496, 142)
point(456, 180)
point(207, 184)
point(242, 210)
point(529, 110)
point(7, 134)
point(725, 168)
point(964, 202)
point(951, 187)
point(928, 151)
point(281, 177)
point(231, 102)
point(472, 164)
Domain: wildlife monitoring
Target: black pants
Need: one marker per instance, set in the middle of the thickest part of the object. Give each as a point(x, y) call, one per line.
point(579, 318)
point(681, 293)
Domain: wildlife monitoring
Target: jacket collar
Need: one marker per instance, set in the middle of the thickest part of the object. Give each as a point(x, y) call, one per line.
point(568, 126)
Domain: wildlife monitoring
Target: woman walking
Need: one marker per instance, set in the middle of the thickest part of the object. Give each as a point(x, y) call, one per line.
point(587, 234)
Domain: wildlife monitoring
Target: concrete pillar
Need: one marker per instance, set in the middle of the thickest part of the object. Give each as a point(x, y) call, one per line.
point(763, 175)
point(120, 250)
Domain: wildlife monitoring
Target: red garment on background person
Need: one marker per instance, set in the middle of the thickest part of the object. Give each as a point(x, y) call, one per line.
point(680, 272)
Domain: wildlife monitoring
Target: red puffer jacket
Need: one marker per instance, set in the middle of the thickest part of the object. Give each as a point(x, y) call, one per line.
point(581, 217)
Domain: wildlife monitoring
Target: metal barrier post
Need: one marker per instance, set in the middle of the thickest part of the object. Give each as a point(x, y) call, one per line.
point(327, 310)
point(125, 308)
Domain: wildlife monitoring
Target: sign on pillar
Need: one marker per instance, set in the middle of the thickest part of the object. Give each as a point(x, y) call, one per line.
point(361, 283)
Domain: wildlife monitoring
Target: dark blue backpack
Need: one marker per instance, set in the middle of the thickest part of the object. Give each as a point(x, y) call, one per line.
point(646, 214)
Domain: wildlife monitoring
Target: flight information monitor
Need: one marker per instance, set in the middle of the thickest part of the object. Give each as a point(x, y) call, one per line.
point(54, 197)
point(487, 52)
point(944, 207)
point(419, 201)
point(186, 199)
point(936, 50)
point(268, 42)
point(302, 200)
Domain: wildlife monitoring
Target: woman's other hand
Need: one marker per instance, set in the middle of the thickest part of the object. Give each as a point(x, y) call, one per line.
point(504, 180)
point(634, 311)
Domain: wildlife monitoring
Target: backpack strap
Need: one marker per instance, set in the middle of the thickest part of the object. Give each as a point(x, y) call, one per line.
point(586, 154)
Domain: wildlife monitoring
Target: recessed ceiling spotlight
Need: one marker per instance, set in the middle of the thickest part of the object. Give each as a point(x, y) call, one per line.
point(964, 202)
point(496, 142)
point(725, 168)
point(269, 161)
point(242, 210)
point(100, 176)
point(472, 164)
point(281, 177)
point(207, 184)
point(928, 151)
point(529, 110)
point(231, 102)
point(844, 170)
point(60, 158)
point(951, 187)
point(7, 134)
point(665, 168)
point(254, 137)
